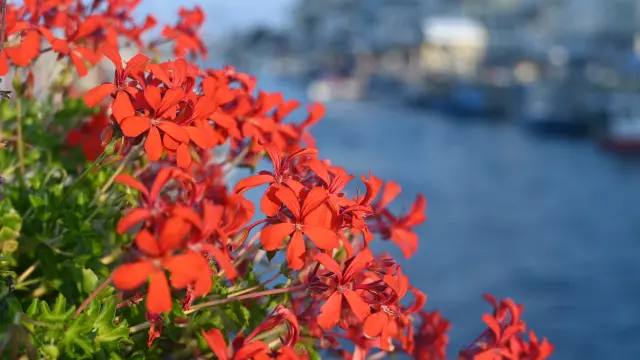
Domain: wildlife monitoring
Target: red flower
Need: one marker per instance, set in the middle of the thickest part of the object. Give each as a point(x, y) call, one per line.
point(121, 88)
point(157, 256)
point(247, 350)
point(270, 203)
point(162, 107)
point(273, 235)
point(343, 290)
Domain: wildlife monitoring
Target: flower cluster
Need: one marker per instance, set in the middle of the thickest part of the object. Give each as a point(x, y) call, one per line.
point(165, 123)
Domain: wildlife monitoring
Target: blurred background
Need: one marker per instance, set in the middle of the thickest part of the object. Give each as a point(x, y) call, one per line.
point(518, 119)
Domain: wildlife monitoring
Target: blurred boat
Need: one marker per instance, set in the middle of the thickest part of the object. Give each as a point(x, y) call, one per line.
point(622, 133)
point(565, 104)
point(335, 88)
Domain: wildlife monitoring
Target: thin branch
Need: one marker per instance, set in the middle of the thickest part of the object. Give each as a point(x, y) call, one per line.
point(245, 297)
point(93, 295)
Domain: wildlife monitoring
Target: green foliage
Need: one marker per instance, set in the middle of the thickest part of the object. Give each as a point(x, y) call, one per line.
point(94, 333)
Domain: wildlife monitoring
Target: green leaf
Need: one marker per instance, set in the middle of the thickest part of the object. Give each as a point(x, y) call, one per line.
point(89, 280)
point(239, 314)
point(50, 351)
point(109, 334)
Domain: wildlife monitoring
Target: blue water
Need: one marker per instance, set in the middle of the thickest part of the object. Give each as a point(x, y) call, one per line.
point(552, 223)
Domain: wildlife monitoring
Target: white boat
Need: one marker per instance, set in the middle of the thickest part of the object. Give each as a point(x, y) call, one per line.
point(623, 127)
point(335, 89)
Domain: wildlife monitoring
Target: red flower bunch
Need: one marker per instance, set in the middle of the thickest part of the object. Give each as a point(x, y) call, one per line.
point(193, 234)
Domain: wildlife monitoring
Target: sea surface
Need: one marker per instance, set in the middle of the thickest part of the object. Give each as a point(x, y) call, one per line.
point(552, 223)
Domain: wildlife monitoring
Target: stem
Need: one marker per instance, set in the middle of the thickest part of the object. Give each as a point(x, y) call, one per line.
point(130, 156)
point(139, 327)
point(245, 297)
point(93, 165)
point(93, 295)
point(27, 272)
point(20, 140)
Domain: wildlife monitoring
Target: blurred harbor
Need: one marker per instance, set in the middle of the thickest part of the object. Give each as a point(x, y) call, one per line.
point(554, 67)
point(552, 223)
point(511, 116)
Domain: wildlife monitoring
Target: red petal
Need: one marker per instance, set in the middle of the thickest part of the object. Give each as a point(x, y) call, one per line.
point(314, 199)
point(296, 251)
point(132, 182)
point(174, 230)
point(122, 107)
point(251, 351)
point(205, 139)
point(159, 295)
point(215, 340)
point(330, 312)
point(188, 214)
point(94, 96)
point(113, 55)
point(290, 200)
point(168, 105)
point(269, 203)
point(147, 243)
point(133, 275)
point(329, 264)
point(374, 323)
point(134, 126)
point(78, 63)
point(273, 235)
point(359, 307)
point(185, 268)
point(153, 144)
point(131, 219)
point(253, 181)
point(153, 97)
point(174, 130)
point(184, 156)
point(324, 239)
point(493, 324)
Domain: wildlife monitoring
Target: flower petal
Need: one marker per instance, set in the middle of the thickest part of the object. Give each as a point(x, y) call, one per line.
point(122, 107)
point(374, 323)
point(159, 294)
point(147, 243)
point(296, 251)
point(290, 200)
point(184, 156)
point(94, 96)
point(252, 181)
point(359, 307)
point(134, 126)
point(174, 130)
point(330, 312)
point(130, 181)
point(324, 239)
point(215, 340)
point(134, 217)
point(132, 276)
point(153, 144)
point(174, 230)
point(329, 264)
point(273, 235)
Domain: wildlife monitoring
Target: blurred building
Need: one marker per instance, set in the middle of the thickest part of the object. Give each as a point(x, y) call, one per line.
point(335, 33)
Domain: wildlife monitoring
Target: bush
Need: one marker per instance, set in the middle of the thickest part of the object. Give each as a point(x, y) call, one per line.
point(117, 218)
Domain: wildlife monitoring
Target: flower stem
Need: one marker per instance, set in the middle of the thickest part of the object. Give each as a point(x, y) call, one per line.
point(20, 140)
point(245, 297)
point(93, 295)
point(130, 156)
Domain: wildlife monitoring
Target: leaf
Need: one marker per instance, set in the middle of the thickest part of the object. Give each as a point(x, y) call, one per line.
point(59, 313)
point(239, 314)
point(89, 280)
point(51, 351)
point(109, 334)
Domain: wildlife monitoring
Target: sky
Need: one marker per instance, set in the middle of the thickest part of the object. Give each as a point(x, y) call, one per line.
point(223, 16)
